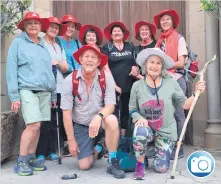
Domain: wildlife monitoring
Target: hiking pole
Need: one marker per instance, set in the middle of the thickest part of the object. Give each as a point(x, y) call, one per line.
point(58, 135)
point(201, 74)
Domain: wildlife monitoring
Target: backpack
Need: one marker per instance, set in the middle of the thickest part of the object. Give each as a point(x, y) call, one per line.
point(126, 156)
point(192, 64)
point(75, 82)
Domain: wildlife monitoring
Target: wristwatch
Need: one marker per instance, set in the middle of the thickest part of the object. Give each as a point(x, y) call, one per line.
point(101, 115)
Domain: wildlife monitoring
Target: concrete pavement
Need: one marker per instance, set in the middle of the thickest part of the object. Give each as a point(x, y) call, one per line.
point(98, 175)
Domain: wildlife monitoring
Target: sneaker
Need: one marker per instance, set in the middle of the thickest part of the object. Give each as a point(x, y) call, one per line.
point(180, 155)
point(66, 152)
point(23, 169)
point(139, 173)
point(36, 165)
point(101, 142)
point(114, 169)
point(41, 158)
point(53, 157)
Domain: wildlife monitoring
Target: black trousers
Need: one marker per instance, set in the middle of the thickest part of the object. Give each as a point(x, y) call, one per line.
point(48, 136)
point(123, 107)
point(48, 133)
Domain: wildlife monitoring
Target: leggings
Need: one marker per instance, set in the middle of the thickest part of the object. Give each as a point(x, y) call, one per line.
point(163, 147)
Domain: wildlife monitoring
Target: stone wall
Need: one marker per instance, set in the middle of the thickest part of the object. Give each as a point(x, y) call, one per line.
point(195, 29)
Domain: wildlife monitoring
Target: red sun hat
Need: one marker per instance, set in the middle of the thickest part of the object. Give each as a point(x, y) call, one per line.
point(171, 12)
point(62, 28)
point(96, 29)
point(139, 24)
point(71, 18)
point(33, 15)
point(104, 58)
point(107, 30)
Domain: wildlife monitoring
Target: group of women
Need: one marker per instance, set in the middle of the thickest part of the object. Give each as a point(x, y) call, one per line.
point(148, 78)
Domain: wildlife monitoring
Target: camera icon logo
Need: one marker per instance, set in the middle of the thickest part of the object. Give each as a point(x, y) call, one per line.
point(200, 164)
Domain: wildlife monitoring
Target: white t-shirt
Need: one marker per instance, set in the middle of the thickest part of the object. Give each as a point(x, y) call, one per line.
point(56, 54)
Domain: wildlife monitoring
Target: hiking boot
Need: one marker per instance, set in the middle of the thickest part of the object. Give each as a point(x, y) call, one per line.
point(23, 169)
point(114, 169)
point(139, 173)
point(180, 155)
point(101, 142)
point(36, 165)
point(52, 157)
point(66, 152)
point(41, 158)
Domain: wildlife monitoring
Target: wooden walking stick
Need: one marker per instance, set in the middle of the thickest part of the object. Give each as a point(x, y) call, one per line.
point(201, 74)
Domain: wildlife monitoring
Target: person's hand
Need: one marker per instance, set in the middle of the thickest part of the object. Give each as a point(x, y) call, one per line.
point(118, 89)
point(141, 122)
point(15, 106)
point(55, 62)
point(73, 147)
point(53, 104)
point(201, 86)
point(134, 71)
point(94, 126)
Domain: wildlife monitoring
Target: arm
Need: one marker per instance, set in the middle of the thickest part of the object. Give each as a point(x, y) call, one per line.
point(133, 104)
point(63, 66)
point(182, 54)
point(200, 85)
point(68, 125)
point(67, 105)
point(12, 72)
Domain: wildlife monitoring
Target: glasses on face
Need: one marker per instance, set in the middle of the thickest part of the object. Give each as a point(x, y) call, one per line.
point(54, 26)
point(29, 23)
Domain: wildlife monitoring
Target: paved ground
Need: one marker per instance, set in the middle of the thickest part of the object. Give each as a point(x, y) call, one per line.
point(97, 174)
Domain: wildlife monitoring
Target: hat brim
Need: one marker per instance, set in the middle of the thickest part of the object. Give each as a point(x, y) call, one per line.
point(44, 23)
point(104, 58)
point(172, 13)
point(85, 28)
point(77, 27)
point(109, 27)
point(62, 29)
point(139, 24)
point(144, 54)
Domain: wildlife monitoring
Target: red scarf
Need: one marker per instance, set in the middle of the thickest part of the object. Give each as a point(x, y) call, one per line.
point(171, 39)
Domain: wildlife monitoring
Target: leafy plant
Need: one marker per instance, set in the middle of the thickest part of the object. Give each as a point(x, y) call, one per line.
point(11, 14)
point(210, 7)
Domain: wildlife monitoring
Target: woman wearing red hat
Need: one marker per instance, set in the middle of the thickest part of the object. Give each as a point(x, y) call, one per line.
point(47, 141)
point(144, 32)
point(31, 86)
point(90, 35)
point(70, 46)
point(122, 65)
point(174, 45)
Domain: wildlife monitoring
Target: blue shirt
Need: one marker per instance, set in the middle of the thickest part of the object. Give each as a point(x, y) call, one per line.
point(70, 48)
point(28, 67)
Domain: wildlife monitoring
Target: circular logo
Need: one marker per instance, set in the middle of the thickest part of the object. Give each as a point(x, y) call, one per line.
point(200, 164)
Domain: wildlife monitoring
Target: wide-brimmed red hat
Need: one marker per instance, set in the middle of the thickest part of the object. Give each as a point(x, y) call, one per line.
point(32, 15)
point(96, 29)
point(139, 24)
point(107, 30)
point(171, 12)
point(62, 28)
point(104, 58)
point(71, 18)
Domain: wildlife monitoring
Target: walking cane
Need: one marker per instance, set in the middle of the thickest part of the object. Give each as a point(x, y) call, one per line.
point(201, 74)
point(58, 135)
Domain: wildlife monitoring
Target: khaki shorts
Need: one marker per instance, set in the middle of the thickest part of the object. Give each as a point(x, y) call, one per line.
point(35, 106)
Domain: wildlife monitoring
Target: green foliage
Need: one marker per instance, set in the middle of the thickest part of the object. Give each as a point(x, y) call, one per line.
point(208, 5)
point(11, 14)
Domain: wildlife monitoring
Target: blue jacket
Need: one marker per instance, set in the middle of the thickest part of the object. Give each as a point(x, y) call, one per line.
point(70, 47)
point(29, 66)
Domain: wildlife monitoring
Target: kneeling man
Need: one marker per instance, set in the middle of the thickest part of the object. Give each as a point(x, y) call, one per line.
point(88, 98)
